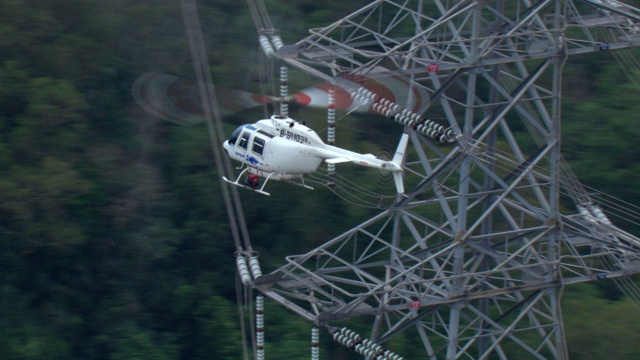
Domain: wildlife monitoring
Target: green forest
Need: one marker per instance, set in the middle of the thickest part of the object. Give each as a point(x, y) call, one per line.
point(114, 240)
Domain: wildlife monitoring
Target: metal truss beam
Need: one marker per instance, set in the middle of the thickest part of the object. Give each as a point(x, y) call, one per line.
point(470, 263)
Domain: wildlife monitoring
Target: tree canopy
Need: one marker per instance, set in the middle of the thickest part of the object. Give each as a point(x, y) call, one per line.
point(114, 242)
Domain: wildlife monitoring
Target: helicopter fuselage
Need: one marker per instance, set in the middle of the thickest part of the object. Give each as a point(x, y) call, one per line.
point(281, 148)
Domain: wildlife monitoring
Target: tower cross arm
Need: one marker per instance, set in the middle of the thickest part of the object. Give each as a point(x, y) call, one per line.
point(597, 25)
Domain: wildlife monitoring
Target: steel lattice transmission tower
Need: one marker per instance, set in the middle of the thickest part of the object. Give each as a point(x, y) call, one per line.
point(471, 263)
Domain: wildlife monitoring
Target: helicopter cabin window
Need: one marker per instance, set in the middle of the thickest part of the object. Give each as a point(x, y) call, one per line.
point(258, 145)
point(244, 140)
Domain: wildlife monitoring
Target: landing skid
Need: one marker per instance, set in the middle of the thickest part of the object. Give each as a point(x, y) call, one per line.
point(301, 183)
point(242, 185)
point(261, 188)
point(246, 186)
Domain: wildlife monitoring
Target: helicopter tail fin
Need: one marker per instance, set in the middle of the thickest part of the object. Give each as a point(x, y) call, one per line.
point(397, 160)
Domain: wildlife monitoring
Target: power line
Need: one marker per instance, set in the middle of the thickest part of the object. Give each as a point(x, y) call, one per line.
point(232, 202)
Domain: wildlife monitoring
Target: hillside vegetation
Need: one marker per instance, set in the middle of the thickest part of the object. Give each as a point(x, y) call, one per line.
point(114, 242)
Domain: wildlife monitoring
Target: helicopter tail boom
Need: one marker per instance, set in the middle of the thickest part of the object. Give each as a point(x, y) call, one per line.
point(369, 160)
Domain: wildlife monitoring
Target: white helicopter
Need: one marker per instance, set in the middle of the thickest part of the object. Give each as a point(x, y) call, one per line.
point(281, 148)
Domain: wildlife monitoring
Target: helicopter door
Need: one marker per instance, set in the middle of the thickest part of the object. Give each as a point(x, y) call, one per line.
point(244, 140)
point(256, 157)
point(258, 146)
point(241, 152)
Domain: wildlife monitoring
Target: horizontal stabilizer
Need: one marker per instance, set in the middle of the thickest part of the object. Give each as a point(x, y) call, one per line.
point(338, 160)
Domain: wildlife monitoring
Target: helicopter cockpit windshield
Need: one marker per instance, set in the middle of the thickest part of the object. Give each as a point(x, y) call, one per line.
point(234, 135)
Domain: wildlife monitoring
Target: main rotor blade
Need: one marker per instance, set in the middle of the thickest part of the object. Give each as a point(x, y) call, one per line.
point(177, 99)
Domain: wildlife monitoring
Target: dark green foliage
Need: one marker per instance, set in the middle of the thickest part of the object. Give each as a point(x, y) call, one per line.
point(114, 241)
point(597, 328)
point(599, 130)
